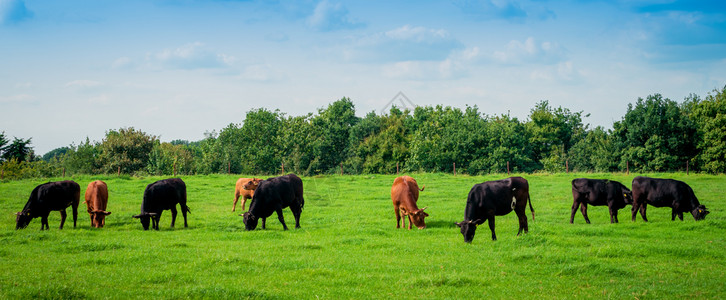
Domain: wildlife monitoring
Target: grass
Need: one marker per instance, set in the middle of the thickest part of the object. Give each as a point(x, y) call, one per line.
point(348, 246)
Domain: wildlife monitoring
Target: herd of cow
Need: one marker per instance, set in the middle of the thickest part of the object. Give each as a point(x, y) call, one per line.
point(484, 202)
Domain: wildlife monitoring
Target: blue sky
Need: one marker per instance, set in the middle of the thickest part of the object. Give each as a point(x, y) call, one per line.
point(176, 69)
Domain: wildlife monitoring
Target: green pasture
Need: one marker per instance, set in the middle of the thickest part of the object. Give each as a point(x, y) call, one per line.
point(348, 246)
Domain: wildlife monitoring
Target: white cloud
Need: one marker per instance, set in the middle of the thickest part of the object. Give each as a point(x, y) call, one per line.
point(82, 84)
point(121, 62)
point(191, 56)
point(530, 51)
point(455, 66)
point(406, 43)
point(21, 98)
point(262, 73)
point(330, 17)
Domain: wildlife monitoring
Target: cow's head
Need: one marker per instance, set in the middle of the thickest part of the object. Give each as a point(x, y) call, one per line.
point(628, 196)
point(417, 216)
point(145, 219)
point(700, 212)
point(22, 219)
point(468, 229)
point(250, 221)
point(98, 217)
point(252, 184)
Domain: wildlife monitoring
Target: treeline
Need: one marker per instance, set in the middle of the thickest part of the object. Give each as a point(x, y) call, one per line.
point(656, 134)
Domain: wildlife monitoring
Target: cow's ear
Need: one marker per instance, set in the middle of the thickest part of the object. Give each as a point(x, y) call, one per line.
point(138, 216)
point(424, 208)
point(106, 212)
point(152, 214)
point(477, 222)
point(19, 213)
point(457, 224)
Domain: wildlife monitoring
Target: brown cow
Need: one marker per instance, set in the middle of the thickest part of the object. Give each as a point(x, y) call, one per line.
point(96, 200)
point(244, 187)
point(404, 194)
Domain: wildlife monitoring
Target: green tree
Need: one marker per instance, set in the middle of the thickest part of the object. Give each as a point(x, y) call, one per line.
point(168, 159)
point(19, 150)
point(594, 152)
point(553, 131)
point(709, 115)
point(655, 135)
point(258, 141)
point(126, 149)
point(507, 142)
point(380, 152)
point(331, 129)
point(294, 142)
point(55, 153)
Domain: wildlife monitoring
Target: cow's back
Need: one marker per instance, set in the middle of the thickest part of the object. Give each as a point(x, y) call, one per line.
point(59, 195)
point(96, 195)
point(164, 194)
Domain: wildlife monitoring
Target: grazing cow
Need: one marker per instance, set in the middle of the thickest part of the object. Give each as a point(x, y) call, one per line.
point(272, 195)
point(666, 193)
point(160, 196)
point(48, 197)
point(404, 194)
point(598, 192)
point(495, 198)
point(244, 187)
point(96, 200)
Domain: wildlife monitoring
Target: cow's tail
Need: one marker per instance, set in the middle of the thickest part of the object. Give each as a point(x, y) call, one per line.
point(421, 189)
point(186, 208)
point(530, 206)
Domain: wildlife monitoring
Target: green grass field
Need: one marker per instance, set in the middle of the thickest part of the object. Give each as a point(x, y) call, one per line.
point(348, 246)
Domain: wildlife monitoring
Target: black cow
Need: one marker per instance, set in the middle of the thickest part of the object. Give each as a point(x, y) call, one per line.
point(272, 195)
point(495, 198)
point(48, 197)
point(666, 193)
point(598, 192)
point(160, 196)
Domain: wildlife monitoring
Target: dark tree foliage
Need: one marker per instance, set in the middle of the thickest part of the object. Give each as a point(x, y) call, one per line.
point(127, 150)
point(709, 115)
point(19, 150)
point(655, 135)
point(56, 153)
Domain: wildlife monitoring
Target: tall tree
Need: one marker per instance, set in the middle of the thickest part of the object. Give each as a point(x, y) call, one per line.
point(332, 129)
point(19, 150)
point(655, 135)
point(553, 131)
point(709, 115)
point(127, 149)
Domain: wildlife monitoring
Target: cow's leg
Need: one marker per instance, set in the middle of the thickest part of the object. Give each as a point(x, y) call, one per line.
point(634, 209)
point(44, 222)
point(673, 214)
point(296, 212)
point(155, 220)
point(398, 217)
point(244, 201)
point(75, 213)
point(281, 218)
point(680, 216)
point(264, 221)
point(575, 205)
point(522, 220)
point(643, 207)
point(491, 227)
point(184, 214)
point(236, 198)
point(583, 209)
point(173, 215)
point(613, 215)
point(63, 218)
